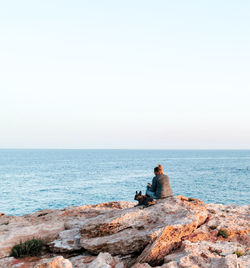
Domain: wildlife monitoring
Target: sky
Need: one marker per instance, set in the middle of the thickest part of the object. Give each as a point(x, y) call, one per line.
point(125, 74)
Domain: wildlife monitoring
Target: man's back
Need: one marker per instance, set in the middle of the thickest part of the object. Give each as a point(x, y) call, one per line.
point(163, 188)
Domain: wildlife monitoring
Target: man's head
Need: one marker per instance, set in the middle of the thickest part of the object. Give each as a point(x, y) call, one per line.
point(158, 170)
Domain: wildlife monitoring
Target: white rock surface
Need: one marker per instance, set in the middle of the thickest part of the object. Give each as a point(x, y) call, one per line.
point(57, 262)
point(105, 260)
point(67, 241)
point(130, 230)
point(207, 254)
point(180, 231)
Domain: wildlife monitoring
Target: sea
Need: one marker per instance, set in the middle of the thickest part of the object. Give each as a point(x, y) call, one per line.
point(36, 179)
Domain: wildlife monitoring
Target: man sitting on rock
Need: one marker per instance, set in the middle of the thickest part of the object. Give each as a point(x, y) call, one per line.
point(160, 187)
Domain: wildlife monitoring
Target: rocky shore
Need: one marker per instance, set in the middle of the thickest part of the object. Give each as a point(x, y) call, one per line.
point(175, 232)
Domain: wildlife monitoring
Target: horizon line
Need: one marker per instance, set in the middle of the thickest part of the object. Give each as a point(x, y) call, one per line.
point(160, 149)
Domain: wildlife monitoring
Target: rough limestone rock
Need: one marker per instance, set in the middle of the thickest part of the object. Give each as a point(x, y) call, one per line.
point(176, 232)
point(166, 265)
point(141, 265)
point(7, 262)
point(14, 230)
point(31, 262)
point(81, 261)
point(234, 219)
point(57, 262)
point(161, 227)
point(67, 241)
point(105, 260)
point(48, 225)
point(207, 254)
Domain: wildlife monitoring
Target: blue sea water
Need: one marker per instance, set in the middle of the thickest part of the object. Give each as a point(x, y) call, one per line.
point(31, 180)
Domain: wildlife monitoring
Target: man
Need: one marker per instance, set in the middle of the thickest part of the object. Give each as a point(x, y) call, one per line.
point(160, 187)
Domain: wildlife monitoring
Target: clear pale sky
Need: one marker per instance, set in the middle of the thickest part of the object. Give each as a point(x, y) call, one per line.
point(125, 74)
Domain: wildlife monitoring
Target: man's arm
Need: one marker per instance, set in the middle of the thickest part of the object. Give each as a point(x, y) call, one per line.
point(153, 186)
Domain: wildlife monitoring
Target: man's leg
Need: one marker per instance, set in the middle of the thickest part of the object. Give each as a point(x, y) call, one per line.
point(150, 193)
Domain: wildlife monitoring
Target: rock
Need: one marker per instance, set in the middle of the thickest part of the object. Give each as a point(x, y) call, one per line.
point(6, 262)
point(168, 239)
point(20, 233)
point(235, 220)
point(141, 265)
point(75, 216)
point(10, 262)
point(105, 260)
point(178, 231)
point(132, 229)
point(172, 264)
point(81, 261)
point(68, 241)
point(21, 229)
point(57, 262)
point(171, 235)
point(47, 224)
point(209, 255)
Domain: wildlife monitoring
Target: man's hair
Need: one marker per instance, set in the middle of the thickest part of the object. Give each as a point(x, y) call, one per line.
point(158, 169)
